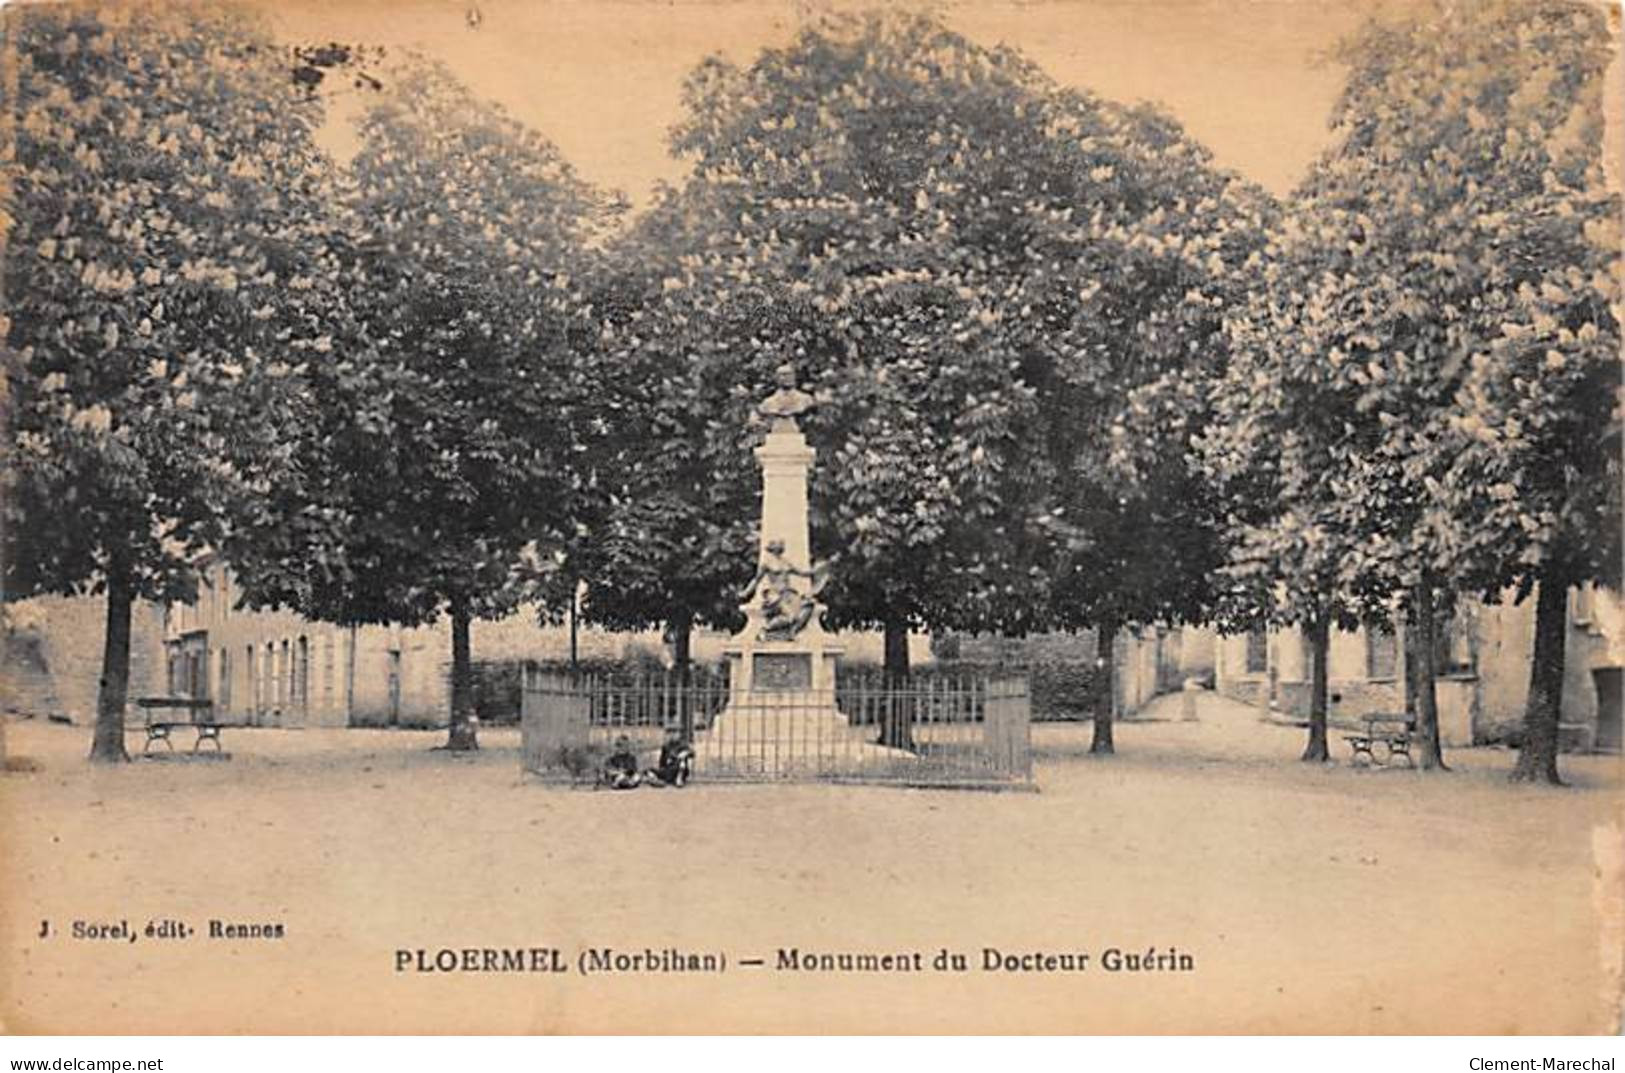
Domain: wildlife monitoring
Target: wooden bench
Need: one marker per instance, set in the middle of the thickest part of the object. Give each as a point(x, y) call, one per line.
point(1393, 732)
point(195, 713)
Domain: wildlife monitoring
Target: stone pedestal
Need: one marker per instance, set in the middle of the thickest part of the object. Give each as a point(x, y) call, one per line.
point(783, 690)
point(785, 459)
point(800, 671)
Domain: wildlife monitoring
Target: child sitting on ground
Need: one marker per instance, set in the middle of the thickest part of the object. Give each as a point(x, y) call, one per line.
point(676, 761)
point(621, 766)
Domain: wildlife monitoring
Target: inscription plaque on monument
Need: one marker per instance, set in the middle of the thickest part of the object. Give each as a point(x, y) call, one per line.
point(776, 671)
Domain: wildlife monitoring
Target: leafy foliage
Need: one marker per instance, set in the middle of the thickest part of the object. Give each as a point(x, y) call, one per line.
point(672, 539)
point(1424, 398)
point(951, 251)
point(170, 276)
point(447, 455)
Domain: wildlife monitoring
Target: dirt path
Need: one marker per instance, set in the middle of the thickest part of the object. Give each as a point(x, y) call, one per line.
point(1312, 898)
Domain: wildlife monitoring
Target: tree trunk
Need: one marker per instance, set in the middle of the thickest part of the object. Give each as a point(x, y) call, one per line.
point(897, 723)
point(1425, 615)
point(681, 628)
point(107, 745)
point(1106, 688)
point(1537, 757)
point(464, 727)
point(1319, 632)
point(575, 601)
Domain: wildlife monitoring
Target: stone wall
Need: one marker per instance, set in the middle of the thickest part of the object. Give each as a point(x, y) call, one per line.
point(1347, 699)
point(1248, 690)
point(53, 655)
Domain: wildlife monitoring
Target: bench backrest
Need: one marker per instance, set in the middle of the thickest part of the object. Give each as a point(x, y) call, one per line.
point(199, 710)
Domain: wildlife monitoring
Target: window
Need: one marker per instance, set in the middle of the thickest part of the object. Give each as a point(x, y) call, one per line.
point(327, 673)
point(224, 694)
point(1381, 652)
point(1258, 650)
point(273, 676)
point(284, 676)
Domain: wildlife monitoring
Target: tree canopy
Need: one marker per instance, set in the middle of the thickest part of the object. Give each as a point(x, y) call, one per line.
point(168, 274)
point(1424, 398)
point(448, 456)
point(973, 271)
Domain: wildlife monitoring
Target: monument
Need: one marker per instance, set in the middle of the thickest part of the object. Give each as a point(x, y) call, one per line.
point(783, 647)
point(781, 712)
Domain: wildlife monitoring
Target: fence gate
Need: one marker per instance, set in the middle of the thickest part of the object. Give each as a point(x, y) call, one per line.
point(922, 731)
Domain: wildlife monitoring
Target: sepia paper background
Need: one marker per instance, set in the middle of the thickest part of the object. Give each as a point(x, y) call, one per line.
point(1316, 905)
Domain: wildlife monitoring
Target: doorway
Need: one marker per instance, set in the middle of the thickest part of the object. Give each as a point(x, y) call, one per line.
point(394, 687)
point(1610, 699)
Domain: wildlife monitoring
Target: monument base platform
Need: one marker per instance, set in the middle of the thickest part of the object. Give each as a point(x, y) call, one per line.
point(790, 734)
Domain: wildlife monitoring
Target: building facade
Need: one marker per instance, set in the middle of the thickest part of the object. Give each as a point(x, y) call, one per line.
point(276, 668)
point(1483, 655)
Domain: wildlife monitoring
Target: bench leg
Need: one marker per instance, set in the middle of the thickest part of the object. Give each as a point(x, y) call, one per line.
point(204, 734)
point(1361, 749)
point(158, 734)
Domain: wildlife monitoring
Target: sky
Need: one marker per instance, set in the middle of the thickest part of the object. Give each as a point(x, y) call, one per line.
point(602, 78)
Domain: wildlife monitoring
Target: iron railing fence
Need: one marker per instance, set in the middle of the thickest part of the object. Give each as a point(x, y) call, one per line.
point(920, 731)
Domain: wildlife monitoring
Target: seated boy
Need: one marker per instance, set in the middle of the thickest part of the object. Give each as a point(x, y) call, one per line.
point(621, 766)
point(676, 761)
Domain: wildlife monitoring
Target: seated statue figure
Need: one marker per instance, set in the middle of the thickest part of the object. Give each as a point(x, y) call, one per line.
point(785, 610)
